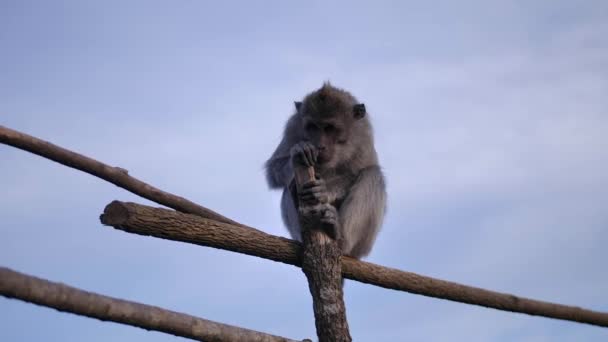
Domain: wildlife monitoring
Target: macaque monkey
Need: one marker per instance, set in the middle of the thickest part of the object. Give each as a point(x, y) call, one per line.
point(331, 131)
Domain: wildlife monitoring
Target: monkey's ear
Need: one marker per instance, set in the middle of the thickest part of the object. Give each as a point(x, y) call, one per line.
point(298, 105)
point(359, 110)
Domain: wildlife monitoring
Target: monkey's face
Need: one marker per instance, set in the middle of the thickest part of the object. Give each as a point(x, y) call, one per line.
point(328, 117)
point(327, 136)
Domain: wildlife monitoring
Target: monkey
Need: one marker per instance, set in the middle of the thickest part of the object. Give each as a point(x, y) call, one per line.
point(330, 131)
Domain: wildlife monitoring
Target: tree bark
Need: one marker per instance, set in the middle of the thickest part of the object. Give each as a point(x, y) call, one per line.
point(321, 265)
point(168, 224)
point(69, 299)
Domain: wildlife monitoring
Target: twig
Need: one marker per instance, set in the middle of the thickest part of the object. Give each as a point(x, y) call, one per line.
point(171, 225)
point(69, 299)
point(115, 175)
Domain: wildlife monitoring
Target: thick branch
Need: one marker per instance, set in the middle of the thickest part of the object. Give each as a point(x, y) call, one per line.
point(69, 299)
point(114, 175)
point(171, 225)
point(321, 265)
point(168, 224)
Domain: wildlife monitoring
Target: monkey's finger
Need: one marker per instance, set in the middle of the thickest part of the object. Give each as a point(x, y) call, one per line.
point(316, 181)
point(329, 210)
point(313, 184)
point(299, 155)
point(315, 192)
point(310, 202)
point(317, 187)
point(314, 154)
point(312, 151)
point(303, 151)
point(309, 184)
point(309, 156)
point(307, 194)
point(304, 158)
point(310, 198)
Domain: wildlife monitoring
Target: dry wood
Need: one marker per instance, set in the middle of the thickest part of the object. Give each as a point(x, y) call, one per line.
point(321, 265)
point(115, 175)
point(69, 299)
point(168, 224)
point(211, 233)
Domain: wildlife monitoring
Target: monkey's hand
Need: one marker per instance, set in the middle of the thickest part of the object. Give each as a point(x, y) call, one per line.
point(313, 192)
point(304, 153)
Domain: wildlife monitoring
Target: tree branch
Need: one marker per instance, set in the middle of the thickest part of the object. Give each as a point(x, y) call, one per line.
point(168, 224)
point(287, 251)
point(321, 265)
point(115, 175)
point(69, 299)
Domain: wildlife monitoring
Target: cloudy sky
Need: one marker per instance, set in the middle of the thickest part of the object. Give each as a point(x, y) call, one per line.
point(491, 122)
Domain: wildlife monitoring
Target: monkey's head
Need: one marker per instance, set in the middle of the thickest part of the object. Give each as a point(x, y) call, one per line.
point(330, 120)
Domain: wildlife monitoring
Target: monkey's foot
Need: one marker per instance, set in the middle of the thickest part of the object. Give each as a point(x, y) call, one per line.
point(321, 216)
point(329, 221)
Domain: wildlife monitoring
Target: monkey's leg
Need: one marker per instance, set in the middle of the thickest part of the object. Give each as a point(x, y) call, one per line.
point(330, 222)
point(362, 212)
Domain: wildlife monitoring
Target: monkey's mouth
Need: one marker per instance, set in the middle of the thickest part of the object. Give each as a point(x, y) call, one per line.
point(323, 158)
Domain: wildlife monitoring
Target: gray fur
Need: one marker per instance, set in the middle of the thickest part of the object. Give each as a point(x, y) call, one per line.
point(354, 182)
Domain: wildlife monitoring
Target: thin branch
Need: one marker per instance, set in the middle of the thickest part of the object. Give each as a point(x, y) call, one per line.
point(321, 265)
point(115, 175)
point(69, 299)
point(168, 224)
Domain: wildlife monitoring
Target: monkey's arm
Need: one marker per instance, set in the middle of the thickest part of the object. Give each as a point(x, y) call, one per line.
point(279, 171)
point(362, 212)
point(289, 211)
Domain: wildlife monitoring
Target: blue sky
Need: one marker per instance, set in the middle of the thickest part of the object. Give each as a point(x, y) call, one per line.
point(490, 121)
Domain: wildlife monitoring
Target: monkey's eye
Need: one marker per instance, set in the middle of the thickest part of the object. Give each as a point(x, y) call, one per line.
point(330, 129)
point(310, 127)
